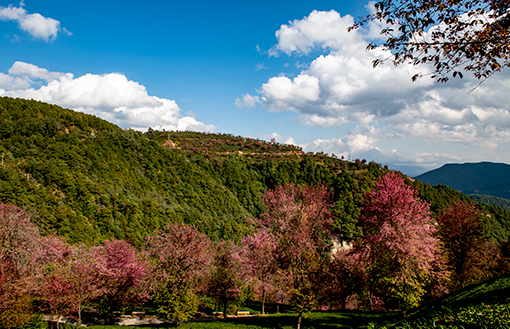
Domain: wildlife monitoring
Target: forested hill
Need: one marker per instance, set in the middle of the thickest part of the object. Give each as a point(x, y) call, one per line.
point(89, 180)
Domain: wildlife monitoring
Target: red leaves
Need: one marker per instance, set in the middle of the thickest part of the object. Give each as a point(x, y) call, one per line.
point(466, 35)
point(398, 240)
point(179, 252)
point(460, 229)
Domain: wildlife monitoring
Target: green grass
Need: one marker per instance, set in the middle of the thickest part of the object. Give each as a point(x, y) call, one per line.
point(316, 320)
point(482, 305)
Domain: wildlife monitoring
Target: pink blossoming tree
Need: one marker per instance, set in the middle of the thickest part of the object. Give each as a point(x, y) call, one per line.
point(299, 220)
point(398, 243)
point(179, 256)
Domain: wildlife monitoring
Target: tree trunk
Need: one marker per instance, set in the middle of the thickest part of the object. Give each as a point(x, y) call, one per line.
point(79, 315)
point(225, 310)
point(299, 321)
point(263, 299)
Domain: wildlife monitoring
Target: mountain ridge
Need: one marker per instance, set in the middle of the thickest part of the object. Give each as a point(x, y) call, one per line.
point(472, 178)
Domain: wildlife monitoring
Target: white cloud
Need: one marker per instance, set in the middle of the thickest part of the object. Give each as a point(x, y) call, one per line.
point(285, 93)
point(32, 71)
point(247, 101)
point(340, 86)
point(110, 96)
point(8, 81)
point(261, 66)
point(319, 30)
point(38, 26)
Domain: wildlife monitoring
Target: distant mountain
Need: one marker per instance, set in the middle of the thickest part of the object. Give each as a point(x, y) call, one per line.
point(472, 178)
point(409, 170)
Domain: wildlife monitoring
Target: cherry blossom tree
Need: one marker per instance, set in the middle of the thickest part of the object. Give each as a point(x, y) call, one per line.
point(53, 283)
point(120, 271)
point(398, 243)
point(19, 239)
point(226, 274)
point(454, 36)
point(260, 263)
point(299, 219)
point(179, 255)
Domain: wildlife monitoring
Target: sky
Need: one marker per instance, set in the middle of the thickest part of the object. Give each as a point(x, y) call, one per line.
point(287, 70)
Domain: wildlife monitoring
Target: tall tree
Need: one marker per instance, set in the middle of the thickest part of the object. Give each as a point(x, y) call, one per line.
point(53, 283)
point(259, 260)
point(460, 229)
point(179, 255)
point(453, 36)
point(225, 277)
point(398, 242)
point(120, 269)
point(299, 219)
point(19, 239)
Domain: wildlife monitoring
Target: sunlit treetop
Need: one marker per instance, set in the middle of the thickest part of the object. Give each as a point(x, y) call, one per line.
point(454, 36)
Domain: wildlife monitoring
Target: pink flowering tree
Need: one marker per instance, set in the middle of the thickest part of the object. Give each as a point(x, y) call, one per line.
point(299, 220)
point(120, 270)
point(19, 239)
point(398, 243)
point(54, 282)
point(179, 255)
point(260, 264)
point(225, 278)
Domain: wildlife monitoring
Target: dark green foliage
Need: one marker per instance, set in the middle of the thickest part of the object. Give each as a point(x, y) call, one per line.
point(89, 180)
point(480, 305)
point(491, 200)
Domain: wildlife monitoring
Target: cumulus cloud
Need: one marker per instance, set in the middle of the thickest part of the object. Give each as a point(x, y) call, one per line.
point(340, 87)
point(110, 96)
point(247, 101)
point(319, 30)
point(38, 26)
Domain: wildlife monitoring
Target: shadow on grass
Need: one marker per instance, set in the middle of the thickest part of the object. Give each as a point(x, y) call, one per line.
point(490, 291)
point(316, 320)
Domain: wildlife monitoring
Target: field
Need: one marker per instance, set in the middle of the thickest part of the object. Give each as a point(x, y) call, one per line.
point(345, 319)
point(481, 305)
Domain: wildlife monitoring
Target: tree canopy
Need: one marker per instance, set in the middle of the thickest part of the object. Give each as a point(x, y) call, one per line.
point(452, 35)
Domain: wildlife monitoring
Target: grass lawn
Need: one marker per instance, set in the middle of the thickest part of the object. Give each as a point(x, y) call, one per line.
point(485, 304)
point(316, 320)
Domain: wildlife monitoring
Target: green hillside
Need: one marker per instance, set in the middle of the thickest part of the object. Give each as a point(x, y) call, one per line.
point(480, 305)
point(491, 200)
point(89, 180)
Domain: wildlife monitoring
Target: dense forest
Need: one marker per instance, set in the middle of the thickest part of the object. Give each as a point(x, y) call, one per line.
point(95, 218)
point(89, 180)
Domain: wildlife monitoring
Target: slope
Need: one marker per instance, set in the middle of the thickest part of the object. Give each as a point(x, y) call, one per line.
point(89, 180)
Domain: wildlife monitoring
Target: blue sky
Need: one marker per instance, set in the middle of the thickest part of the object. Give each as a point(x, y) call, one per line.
point(266, 69)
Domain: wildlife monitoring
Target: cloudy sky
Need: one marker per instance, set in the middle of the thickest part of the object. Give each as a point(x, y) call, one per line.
point(287, 70)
